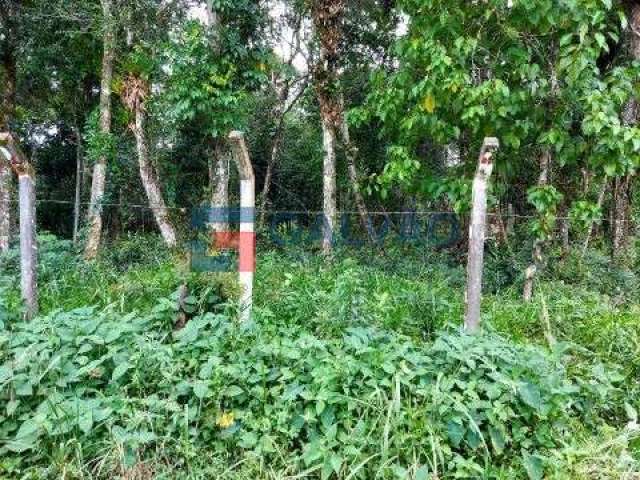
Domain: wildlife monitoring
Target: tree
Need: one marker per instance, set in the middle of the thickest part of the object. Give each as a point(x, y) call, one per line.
point(213, 68)
point(134, 94)
point(531, 73)
point(9, 14)
point(630, 117)
point(100, 167)
point(328, 18)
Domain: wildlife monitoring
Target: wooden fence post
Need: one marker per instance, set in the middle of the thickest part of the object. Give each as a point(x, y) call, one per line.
point(477, 226)
point(28, 243)
point(247, 242)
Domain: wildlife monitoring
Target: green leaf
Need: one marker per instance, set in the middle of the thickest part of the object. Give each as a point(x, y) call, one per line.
point(455, 431)
point(201, 389)
point(248, 440)
point(85, 420)
point(631, 412)
point(233, 391)
point(530, 395)
point(422, 473)
point(336, 462)
point(533, 465)
point(497, 439)
point(26, 437)
point(120, 370)
point(5, 373)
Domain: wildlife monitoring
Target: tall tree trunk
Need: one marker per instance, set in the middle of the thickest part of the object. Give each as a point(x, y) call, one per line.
point(622, 186)
point(219, 160)
point(534, 267)
point(351, 153)
point(151, 182)
point(603, 191)
point(100, 168)
point(329, 184)
point(264, 195)
point(7, 109)
point(620, 210)
point(328, 17)
point(278, 113)
point(219, 184)
point(79, 184)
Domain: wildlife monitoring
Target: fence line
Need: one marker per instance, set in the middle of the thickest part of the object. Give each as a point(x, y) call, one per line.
point(298, 212)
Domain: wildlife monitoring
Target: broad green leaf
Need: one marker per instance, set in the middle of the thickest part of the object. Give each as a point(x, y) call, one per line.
point(533, 465)
point(119, 371)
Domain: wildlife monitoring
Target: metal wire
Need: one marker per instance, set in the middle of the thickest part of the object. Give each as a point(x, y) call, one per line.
point(298, 212)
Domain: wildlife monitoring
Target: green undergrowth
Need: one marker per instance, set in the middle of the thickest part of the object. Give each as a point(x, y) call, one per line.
point(354, 367)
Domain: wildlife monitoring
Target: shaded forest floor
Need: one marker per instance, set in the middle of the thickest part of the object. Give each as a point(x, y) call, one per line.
point(353, 367)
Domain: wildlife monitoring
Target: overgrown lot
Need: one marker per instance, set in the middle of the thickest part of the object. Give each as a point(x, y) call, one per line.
point(353, 368)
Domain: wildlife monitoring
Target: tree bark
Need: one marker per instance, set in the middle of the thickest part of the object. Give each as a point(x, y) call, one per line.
point(620, 211)
point(630, 114)
point(79, 184)
point(7, 109)
point(603, 190)
point(264, 195)
point(150, 181)
point(329, 185)
point(100, 168)
point(219, 184)
point(351, 153)
point(219, 160)
point(280, 112)
point(477, 228)
point(534, 267)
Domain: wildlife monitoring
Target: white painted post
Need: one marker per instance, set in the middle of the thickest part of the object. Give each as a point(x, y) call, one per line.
point(28, 244)
point(477, 228)
point(247, 242)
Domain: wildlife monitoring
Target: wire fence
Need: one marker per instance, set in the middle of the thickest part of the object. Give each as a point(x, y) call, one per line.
point(187, 209)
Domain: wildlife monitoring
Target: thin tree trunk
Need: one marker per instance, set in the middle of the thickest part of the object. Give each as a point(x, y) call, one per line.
point(264, 195)
point(79, 184)
point(452, 157)
point(620, 210)
point(603, 190)
point(219, 163)
point(511, 219)
point(534, 267)
point(477, 226)
point(351, 153)
point(280, 113)
point(219, 181)
point(7, 109)
point(151, 182)
point(100, 167)
point(630, 115)
point(564, 229)
point(329, 185)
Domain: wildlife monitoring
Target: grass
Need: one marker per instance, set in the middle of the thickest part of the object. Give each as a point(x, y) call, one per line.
point(354, 368)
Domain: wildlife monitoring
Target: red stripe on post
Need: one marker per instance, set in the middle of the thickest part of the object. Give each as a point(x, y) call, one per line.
point(247, 245)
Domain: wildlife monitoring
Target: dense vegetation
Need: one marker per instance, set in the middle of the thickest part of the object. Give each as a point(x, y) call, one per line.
point(352, 369)
point(364, 120)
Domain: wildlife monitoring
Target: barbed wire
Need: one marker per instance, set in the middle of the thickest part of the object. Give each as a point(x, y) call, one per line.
point(299, 212)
